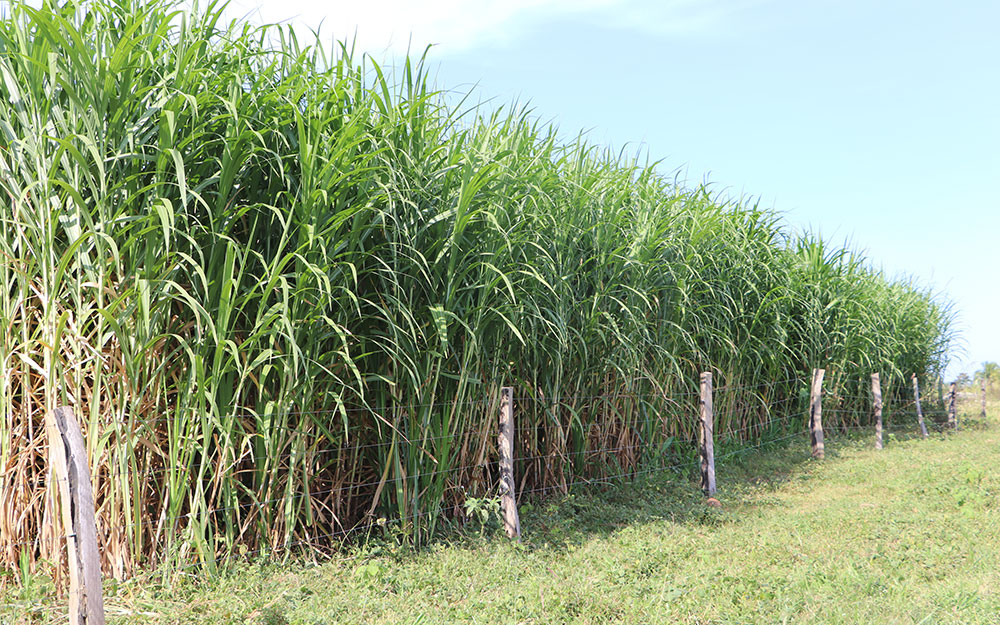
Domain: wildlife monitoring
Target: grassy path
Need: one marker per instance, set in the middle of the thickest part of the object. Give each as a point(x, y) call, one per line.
point(910, 534)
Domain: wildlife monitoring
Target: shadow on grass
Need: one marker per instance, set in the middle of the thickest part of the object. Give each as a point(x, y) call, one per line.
point(599, 509)
point(744, 474)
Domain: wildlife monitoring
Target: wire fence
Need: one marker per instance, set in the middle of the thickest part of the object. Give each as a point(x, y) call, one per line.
point(558, 449)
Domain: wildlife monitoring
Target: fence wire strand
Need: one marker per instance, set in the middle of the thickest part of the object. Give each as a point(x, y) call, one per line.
point(899, 420)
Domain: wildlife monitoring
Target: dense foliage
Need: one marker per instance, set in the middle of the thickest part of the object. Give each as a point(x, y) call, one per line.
point(282, 289)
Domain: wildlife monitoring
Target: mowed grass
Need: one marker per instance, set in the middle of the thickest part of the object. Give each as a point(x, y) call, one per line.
point(910, 534)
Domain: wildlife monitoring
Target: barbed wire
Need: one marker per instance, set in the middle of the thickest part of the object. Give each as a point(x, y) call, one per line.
point(607, 479)
point(758, 426)
point(326, 491)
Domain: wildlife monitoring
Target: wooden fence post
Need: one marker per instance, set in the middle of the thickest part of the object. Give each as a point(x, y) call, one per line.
point(508, 495)
point(816, 414)
point(982, 387)
point(70, 469)
point(705, 436)
point(920, 412)
point(952, 412)
point(877, 407)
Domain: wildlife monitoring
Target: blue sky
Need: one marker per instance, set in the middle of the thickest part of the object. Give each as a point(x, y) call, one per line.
point(876, 123)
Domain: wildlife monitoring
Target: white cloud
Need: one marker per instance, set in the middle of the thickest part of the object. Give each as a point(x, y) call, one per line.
point(678, 17)
point(392, 26)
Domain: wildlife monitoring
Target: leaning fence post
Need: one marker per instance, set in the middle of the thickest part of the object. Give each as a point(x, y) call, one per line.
point(71, 471)
point(816, 414)
point(877, 407)
point(508, 498)
point(952, 412)
point(920, 412)
point(705, 436)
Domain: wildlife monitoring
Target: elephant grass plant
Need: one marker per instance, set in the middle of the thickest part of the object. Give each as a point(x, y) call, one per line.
point(282, 286)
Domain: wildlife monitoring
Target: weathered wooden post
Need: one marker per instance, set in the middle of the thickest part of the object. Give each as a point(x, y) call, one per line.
point(877, 407)
point(952, 411)
point(920, 412)
point(71, 472)
point(508, 494)
point(705, 436)
point(816, 414)
point(982, 388)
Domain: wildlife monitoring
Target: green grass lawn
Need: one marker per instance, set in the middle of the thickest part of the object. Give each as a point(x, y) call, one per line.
point(910, 534)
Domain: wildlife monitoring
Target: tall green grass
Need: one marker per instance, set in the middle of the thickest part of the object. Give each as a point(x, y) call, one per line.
point(282, 290)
